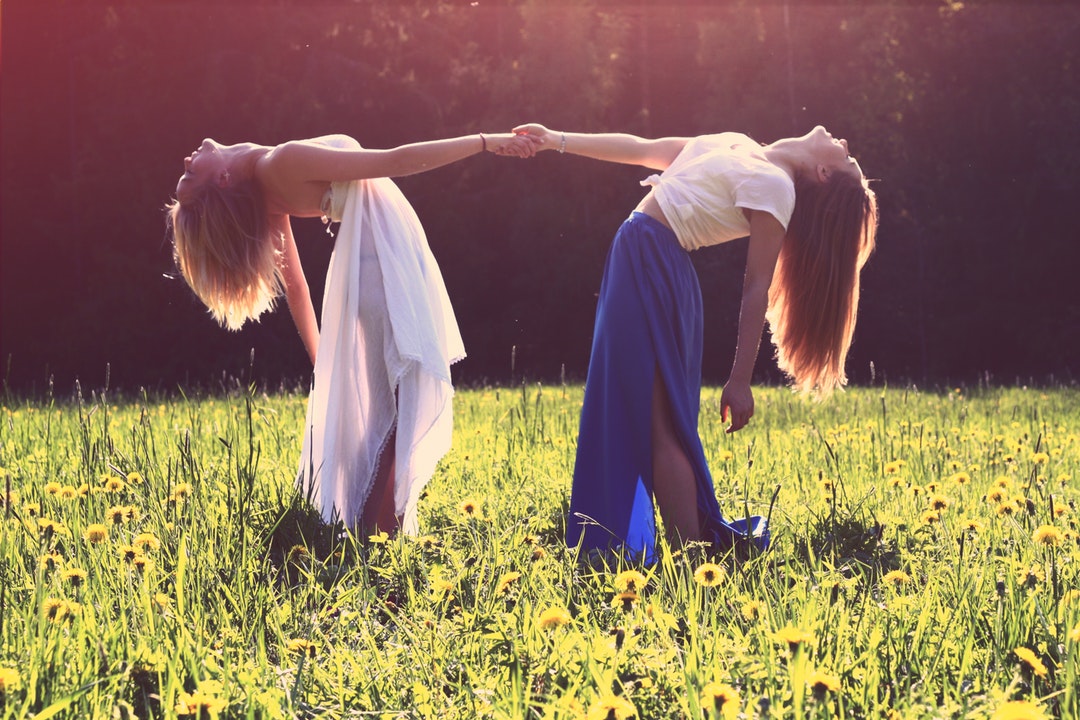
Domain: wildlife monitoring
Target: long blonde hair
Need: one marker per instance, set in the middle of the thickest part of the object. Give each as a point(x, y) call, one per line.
point(222, 247)
point(814, 296)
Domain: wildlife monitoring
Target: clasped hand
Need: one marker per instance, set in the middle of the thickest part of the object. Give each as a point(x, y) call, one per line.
point(513, 144)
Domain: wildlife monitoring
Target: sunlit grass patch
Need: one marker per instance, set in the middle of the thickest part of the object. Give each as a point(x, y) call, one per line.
point(156, 561)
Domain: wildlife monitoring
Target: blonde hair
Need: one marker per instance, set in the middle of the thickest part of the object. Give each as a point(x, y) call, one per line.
point(222, 247)
point(814, 296)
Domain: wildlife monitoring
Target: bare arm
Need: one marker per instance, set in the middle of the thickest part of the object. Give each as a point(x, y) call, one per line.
point(766, 236)
point(297, 294)
point(300, 161)
point(656, 154)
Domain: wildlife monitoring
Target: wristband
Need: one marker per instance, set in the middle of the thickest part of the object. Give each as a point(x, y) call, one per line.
point(562, 143)
point(483, 143)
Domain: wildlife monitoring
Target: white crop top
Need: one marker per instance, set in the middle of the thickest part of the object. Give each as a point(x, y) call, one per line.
point(705, 189)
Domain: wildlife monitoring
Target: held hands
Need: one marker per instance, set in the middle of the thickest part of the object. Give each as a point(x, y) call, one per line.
point(512, 144)
point(738, 400)
point(546, 139)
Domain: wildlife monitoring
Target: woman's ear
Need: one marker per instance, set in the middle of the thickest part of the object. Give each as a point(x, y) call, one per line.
point(822, 173)
point(223, 179)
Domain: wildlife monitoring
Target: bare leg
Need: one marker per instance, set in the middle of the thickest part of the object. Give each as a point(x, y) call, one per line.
point(674, 484)
point(379, 511)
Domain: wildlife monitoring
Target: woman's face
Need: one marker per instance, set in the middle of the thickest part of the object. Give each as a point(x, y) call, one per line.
point(206, 164)
point(827, 151)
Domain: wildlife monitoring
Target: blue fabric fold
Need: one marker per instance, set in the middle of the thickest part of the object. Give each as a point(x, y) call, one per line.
point(649, 317)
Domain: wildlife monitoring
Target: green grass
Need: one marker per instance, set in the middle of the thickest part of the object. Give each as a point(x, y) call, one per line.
point(216, 590)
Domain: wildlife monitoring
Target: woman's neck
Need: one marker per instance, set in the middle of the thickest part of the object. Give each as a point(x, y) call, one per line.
point(242, 159)
point(788, 155)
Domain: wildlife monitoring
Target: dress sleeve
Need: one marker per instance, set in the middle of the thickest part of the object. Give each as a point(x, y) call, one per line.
point(769, 192)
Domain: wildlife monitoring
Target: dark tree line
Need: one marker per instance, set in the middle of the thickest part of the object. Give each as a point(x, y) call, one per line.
point(966, 113)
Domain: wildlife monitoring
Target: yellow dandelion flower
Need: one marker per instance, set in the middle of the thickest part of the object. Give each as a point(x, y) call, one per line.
point(142, 563)
point(1060, 510)
point(199, 704)
point(9, 680)
point(441, 589)
point(113, 484)
point(1040, 458)
point(612, 707)
point(1048, 535)
point(970, 525)
point(625, 600)
point(84, 490)
point(182, 491)
point(752, 609)
point(470, 508)
point(896, 578)
point(821, 683)
point(1004, 482)
point(552, 618)
point(1032, 576)
point(793, 636)
point(723, 699)
point(54, 609)
point(630, 581)
point(1019, 710)
point(53, 488)
point(538, 553)
point(916, 490)
point(161, 600)
point(897, 482)
point(134, 478)
point(428, 542)
point(995, 495)
point(507, 580)
point(1031, 661)
point(49, 562)
point(128, 553)
point(68, 493)
point(893, 467)
point(726, 455)
point(96, 534)
point(960, 478)
point(300, 646)
point(1007, 508)
point(32, 509)
point(826, 484)
point(131, 513)
point(115, 515)
point(298, 554)
point(709, 574)
point(74, 576)
point(146, 540)
point(1074, 634)
point(48, 529)
point(939, 502)
point(930, 517)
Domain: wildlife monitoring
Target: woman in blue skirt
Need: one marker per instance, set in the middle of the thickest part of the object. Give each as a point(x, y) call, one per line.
point(811, 218)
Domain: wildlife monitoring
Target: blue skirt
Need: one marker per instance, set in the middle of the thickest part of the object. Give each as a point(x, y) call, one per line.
point(649, 318)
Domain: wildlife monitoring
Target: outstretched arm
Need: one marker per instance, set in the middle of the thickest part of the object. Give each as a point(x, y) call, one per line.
point(297, 294)
point(303, 161)
point(656, 154)
point(766, 236)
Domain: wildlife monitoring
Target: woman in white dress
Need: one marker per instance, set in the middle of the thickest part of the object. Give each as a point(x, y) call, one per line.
point(379, 415)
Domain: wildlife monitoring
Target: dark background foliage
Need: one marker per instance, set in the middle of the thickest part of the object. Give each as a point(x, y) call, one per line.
point(966, 113)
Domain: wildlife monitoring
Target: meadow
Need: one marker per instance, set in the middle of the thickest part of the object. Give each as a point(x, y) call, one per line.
point(157, 562)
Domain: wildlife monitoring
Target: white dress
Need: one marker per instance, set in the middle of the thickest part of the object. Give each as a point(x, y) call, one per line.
point(387, 329)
